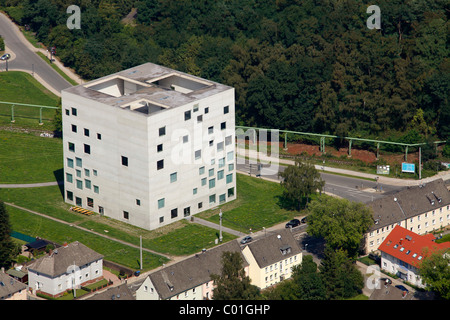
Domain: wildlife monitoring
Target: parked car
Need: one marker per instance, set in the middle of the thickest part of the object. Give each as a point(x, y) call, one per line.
point(6, 56)
point(401, 287)
point(386, 280)
point(246, 239)
point(293, 223)
point(304, 219)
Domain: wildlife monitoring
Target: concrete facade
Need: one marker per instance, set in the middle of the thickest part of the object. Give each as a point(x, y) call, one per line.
point(149, 145)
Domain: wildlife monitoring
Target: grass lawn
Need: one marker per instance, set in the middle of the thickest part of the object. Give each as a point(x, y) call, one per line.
point(27, 158)
point(21, 87)
point(258, 205)
point(34, 225)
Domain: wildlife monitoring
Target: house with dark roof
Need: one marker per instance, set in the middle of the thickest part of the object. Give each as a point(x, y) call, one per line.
point(65, 268)
point(421, 209)
point(272, 258)
point(403, 251)
point(189, 279)
point(10, 288)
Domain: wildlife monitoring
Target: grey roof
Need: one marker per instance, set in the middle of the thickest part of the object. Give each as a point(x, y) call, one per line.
point(59, 260)
point(191, 272)
point(146, 76)
point(9, 285)
point(409, 202)
point(269, 250)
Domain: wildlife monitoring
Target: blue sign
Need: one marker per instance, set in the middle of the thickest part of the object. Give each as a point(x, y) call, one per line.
point(408, 167)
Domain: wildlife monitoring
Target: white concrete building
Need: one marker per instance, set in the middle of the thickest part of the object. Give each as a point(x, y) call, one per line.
point(149, 145)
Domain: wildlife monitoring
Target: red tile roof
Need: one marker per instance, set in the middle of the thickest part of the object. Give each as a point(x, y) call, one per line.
point(410, 247)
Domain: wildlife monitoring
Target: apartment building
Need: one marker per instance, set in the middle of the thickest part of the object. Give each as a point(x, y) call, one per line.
point(421, 209)
point(403, 251)
point(149, 145)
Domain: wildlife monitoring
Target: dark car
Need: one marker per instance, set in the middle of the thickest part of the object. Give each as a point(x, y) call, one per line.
point(293, 223)
point(399, 286)
point(246, 239)
point(304, 220)
point(385, 281)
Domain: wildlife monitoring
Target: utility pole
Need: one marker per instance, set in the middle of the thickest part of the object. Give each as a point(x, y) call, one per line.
point(140, 247)
point(220, 228)
point(420, 163)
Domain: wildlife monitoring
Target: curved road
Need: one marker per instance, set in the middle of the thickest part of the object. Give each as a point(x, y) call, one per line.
point(24, 57)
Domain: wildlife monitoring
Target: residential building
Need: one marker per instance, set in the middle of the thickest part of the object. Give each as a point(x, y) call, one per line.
point(10, 288)
point(149, 145)
point(65, 268)
point(272, 259)
point(421, 209)
point(189, 279)
point(403, 250)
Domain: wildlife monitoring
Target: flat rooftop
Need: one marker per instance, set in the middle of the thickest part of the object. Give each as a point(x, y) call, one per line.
point(148, 88)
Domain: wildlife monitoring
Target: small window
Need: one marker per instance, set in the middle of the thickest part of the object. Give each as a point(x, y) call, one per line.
point(173, 177)
point(86, 132)
point(185, 139)
point(94, 172)
point(201, 170)
point(69, 178)
point(200, 118)
point(211, 130)
point(222, 198)
point(96, 189)
point(138, 202)
point(67, 112)
point(159, 148)
point(174, 213)
point(70, 163)
point(212, 183)
point(206, 110)
point(203, 181)
point(221, 162)
point(230, 192)
point(229, 178)
point(187, 211)
point(69, 195)
point(99, 136)
point(220, 175)
point(161, 203)
point(212, 198)
point(200, 205)
point(211, 172)
point(78, 173)
point(87, 149)
point(90, 202)
point(162, 131)
point(228, 140)
point(71, 147)
point(74, 128)
point(125, 161)
point(74, 111)
point(161, 219)
point(87, 173)
point(79, 162)
point(187, 115)
point(223, 126)
point(78, 201)
point(160, 165)
point(126, 215)
point(226, 109)
point(87, 183)
point(220, 146)
point(80, 184)
point(194, 191)
point(198, 154)
point(195, 109)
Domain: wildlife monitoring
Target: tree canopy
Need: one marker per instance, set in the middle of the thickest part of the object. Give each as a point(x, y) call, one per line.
point(310, 65)
point(342, 223)
point(7, 247)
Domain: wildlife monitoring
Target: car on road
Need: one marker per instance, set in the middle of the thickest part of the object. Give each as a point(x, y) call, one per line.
point(386, 280)
point(6, 56)
point(246, 239)
point(293, 223)
point(399, 286)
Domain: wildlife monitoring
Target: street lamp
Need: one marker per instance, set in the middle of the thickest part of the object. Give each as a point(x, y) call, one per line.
point(220, 228)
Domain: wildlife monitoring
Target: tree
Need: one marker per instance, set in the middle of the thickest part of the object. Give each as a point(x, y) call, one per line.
point(340, 276)
point(232, 283)
point(300, 181)
point(435, 272)
point(7, 247)
point(340, 222)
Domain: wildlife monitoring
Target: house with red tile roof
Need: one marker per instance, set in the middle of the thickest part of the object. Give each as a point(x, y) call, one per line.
point(403, 251)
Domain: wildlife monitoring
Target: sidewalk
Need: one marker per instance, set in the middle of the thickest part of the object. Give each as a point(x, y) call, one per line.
point(263, 158)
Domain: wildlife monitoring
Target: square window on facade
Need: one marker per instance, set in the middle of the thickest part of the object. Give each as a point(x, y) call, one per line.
point(80, 184)
point(185, 139)
point(220, 175)
point(69, 178)
point(125, 161)
point(212, 198)
point(203, 181)
point(87, 183)
point(126, 215)
point(230, 192)
point(198, 154)
point(212, 183)
point(71, 146)
point(74, 111)
point(79, 162)
point(206, 110)
point(74, 128)
point(78, 201)
point(96, 189)
point(86, 132)
point(161, 219)
point(210, 172)
point(69, 195)
point(138, 202)
point(160, 165)
point(87, 149)
point(194, 191)
point(67, 112)
point(201, 170)
point(229, 178)
point(86, 172)
point(220, 146)
point(222, 198)
point(174, 213)
point(159, 148)
point(230, 156)
point(70, 163)
point(228, 140)
point(161, 203)
point(173, 177)
point(187, 115)
point(223, 126)
point(187, 211)
point(200, 205)
point(195, 109)
point(162, 131)
point(94, 172)
point(78, 173)
point(90, 202)
point(99, 136)
point(200, 118)
point(211, 130)
point(226, 109)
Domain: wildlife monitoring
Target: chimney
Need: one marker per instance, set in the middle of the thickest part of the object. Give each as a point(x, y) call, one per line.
point(401, 241)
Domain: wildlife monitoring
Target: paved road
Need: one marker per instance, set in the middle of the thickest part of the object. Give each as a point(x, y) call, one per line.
point(24, 56)
point(354, 189)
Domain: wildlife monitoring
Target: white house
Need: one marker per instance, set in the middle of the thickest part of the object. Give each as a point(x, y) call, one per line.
point(149, 145)
point(65, 268)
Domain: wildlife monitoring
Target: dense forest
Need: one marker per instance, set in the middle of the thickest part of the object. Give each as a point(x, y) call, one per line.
point(302, 65)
